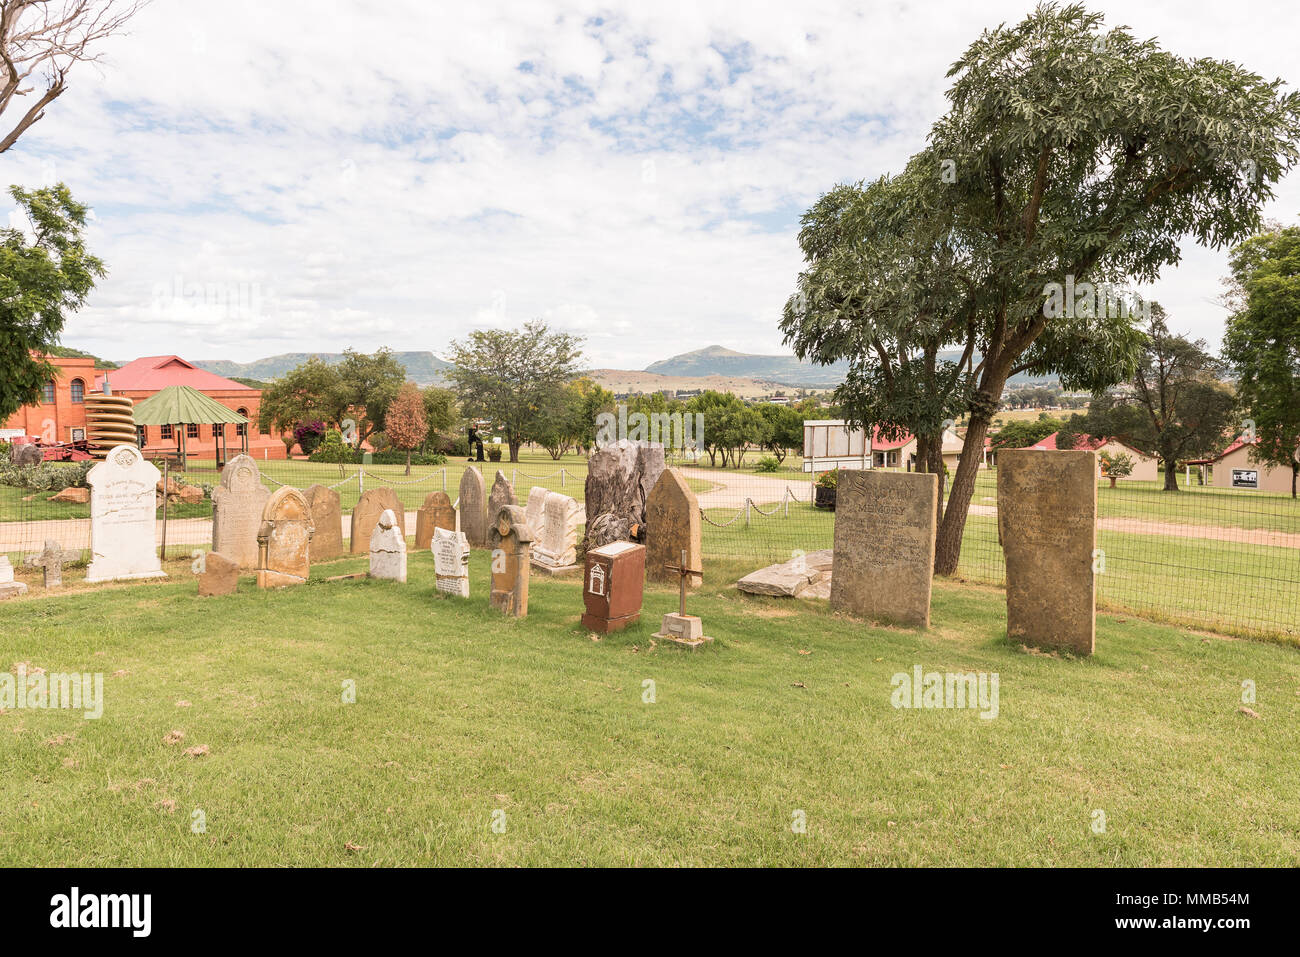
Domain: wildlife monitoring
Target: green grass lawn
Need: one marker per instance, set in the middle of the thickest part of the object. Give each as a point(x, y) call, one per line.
point(460, 713)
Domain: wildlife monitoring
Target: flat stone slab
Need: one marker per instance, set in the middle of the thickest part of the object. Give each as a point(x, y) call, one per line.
point(805, 576)
point(12, 590)
point(556, 571)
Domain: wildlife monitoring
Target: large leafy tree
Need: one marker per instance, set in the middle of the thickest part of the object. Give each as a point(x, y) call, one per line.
point(404, 422)
point(45, 274)
point(368, 384)
point(1174, 408)
point(440, 413)
point(307, 393)
point(785, 426)
point(1072, 154)
point(1262, 343)
point(511, 376)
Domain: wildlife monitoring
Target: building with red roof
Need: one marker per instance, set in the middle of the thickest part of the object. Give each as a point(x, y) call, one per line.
point(1237, 467)
point(61, 415)
point(1145, 467)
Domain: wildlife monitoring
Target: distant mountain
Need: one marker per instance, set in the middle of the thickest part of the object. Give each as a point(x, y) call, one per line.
point(783, 370)
point(422, 368)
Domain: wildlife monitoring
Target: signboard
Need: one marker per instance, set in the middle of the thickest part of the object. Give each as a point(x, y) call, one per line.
point(1245, 478)
point(78, 435)
point(830, 444)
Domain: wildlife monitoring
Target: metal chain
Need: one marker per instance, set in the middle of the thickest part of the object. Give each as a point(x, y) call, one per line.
point(388, 481)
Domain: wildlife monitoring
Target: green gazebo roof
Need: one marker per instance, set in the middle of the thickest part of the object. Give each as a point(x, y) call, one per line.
point(183, 405)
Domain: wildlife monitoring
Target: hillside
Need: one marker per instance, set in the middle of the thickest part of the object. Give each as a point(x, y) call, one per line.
point(719, 361)
point(632, 381)
point(422, 368)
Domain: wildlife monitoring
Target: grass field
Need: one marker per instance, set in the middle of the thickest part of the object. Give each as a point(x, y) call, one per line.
point(461, 713)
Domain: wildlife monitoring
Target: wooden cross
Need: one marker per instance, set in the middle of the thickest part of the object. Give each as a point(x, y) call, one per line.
point(50, 560)
point(683, 571)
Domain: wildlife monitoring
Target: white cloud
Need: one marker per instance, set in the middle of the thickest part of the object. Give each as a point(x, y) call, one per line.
point(401, 174)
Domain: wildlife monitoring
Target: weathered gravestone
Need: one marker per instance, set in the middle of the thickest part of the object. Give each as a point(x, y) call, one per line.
point(8, 587)
point(555, 531)
point(220, 575)
point(237, 505)
point(672, 523)
point(1047, 521)
point(451, 561)
point(883, 560)
point(613, 582)
point(284, 540)
point(327, 519)
point(436, 512)
point(388, 549)
point(473, 508)
point(365, 516)
point(619, 480)
point(509, 539)
point(50, 560)
point(536, 502)
point(503, 494)
point(122, 517)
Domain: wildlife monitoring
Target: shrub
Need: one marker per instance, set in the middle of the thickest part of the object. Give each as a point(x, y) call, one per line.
point(494, 453)
point(45, 477)
point(332, 449)
point(767, 463)
point(308, 435)
point(829, 479)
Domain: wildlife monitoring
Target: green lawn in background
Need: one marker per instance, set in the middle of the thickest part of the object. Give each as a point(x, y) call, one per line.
point(460, 713)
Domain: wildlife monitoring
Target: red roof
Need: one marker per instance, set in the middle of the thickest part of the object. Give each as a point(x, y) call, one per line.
point(1238, 443)
point(881, 445)
point(1082, 443)
point(152, 373)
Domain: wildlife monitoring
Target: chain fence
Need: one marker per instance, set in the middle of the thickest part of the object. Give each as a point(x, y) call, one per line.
point(1207, 557)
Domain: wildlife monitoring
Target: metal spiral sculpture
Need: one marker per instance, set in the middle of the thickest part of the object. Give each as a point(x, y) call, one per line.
point(110, 421)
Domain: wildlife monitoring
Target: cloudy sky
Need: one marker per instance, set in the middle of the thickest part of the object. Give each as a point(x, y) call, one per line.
point(276, 177)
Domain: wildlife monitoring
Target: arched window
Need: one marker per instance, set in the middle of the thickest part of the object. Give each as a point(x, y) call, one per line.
point(78, 390)
point(47, 392)
point(242, 427)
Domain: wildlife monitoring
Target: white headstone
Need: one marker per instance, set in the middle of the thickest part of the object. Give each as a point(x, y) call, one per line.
point(451, 561)
point(8, 587)
point(6, 570)
point(388, 549)
point(556, 532)
point(122, 517)
point(536, 502)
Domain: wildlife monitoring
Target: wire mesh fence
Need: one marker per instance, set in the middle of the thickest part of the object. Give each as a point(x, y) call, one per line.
point(1216, 558)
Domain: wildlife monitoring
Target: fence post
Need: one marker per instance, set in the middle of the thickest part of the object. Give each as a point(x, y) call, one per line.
point(361, 480)
point(166, 472)
point(747, 502)
point(514, 477)
point(561, 476)
point(444, 478)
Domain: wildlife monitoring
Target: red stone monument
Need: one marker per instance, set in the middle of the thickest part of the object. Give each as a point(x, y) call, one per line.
point(612, 583)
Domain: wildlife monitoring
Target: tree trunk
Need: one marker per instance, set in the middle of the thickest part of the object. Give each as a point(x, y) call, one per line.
point(1295, 467)
point(1171, 475)
point(514, 449)
point(947, 547)
point(408, 462)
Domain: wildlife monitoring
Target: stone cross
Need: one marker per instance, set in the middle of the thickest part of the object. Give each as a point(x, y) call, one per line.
point(51, 559)
point(684, 573)
point(681, 628)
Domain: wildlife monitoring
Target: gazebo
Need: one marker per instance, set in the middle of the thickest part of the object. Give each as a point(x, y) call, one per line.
point(181, 405)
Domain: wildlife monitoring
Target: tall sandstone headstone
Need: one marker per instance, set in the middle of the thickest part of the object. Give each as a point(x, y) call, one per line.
point(1047, 522)
point(284, 540)
point(503, 494)
point(436, 512)
point(327, 519)
point(883, 560)
point(365, 516)
point(510, 539)
point(237, 505)
point(123, 517)
point(619, 480)
point(473, 508)
point(672, 520)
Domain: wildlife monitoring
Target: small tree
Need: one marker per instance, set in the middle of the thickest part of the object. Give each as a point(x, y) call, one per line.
point(308, 392)
point(439, 414)
point(404, 425)
point(1116, 467)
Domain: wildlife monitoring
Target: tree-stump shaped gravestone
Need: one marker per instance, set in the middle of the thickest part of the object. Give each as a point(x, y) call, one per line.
point(284, 540)
point(883, 562)
point(327, 519)
point(451, 562)
point(503, 494)
point(672, 525)
point(510, 539)
point(50, 560)
point(365, 516)
point(1047, 521)
point(473, 508)
point(237, 505)
point(123, 518)
point(219, 576)
point(388, 549)
point(436, 512)
point(619, 480)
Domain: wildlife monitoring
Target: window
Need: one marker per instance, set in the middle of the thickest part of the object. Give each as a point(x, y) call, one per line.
point(242, 428)
point(78, 389)
point(166, 431)
point(47, 392)
point(191, 431)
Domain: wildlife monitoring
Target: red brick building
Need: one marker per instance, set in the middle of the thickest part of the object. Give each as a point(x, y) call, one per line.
point(62, 411)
